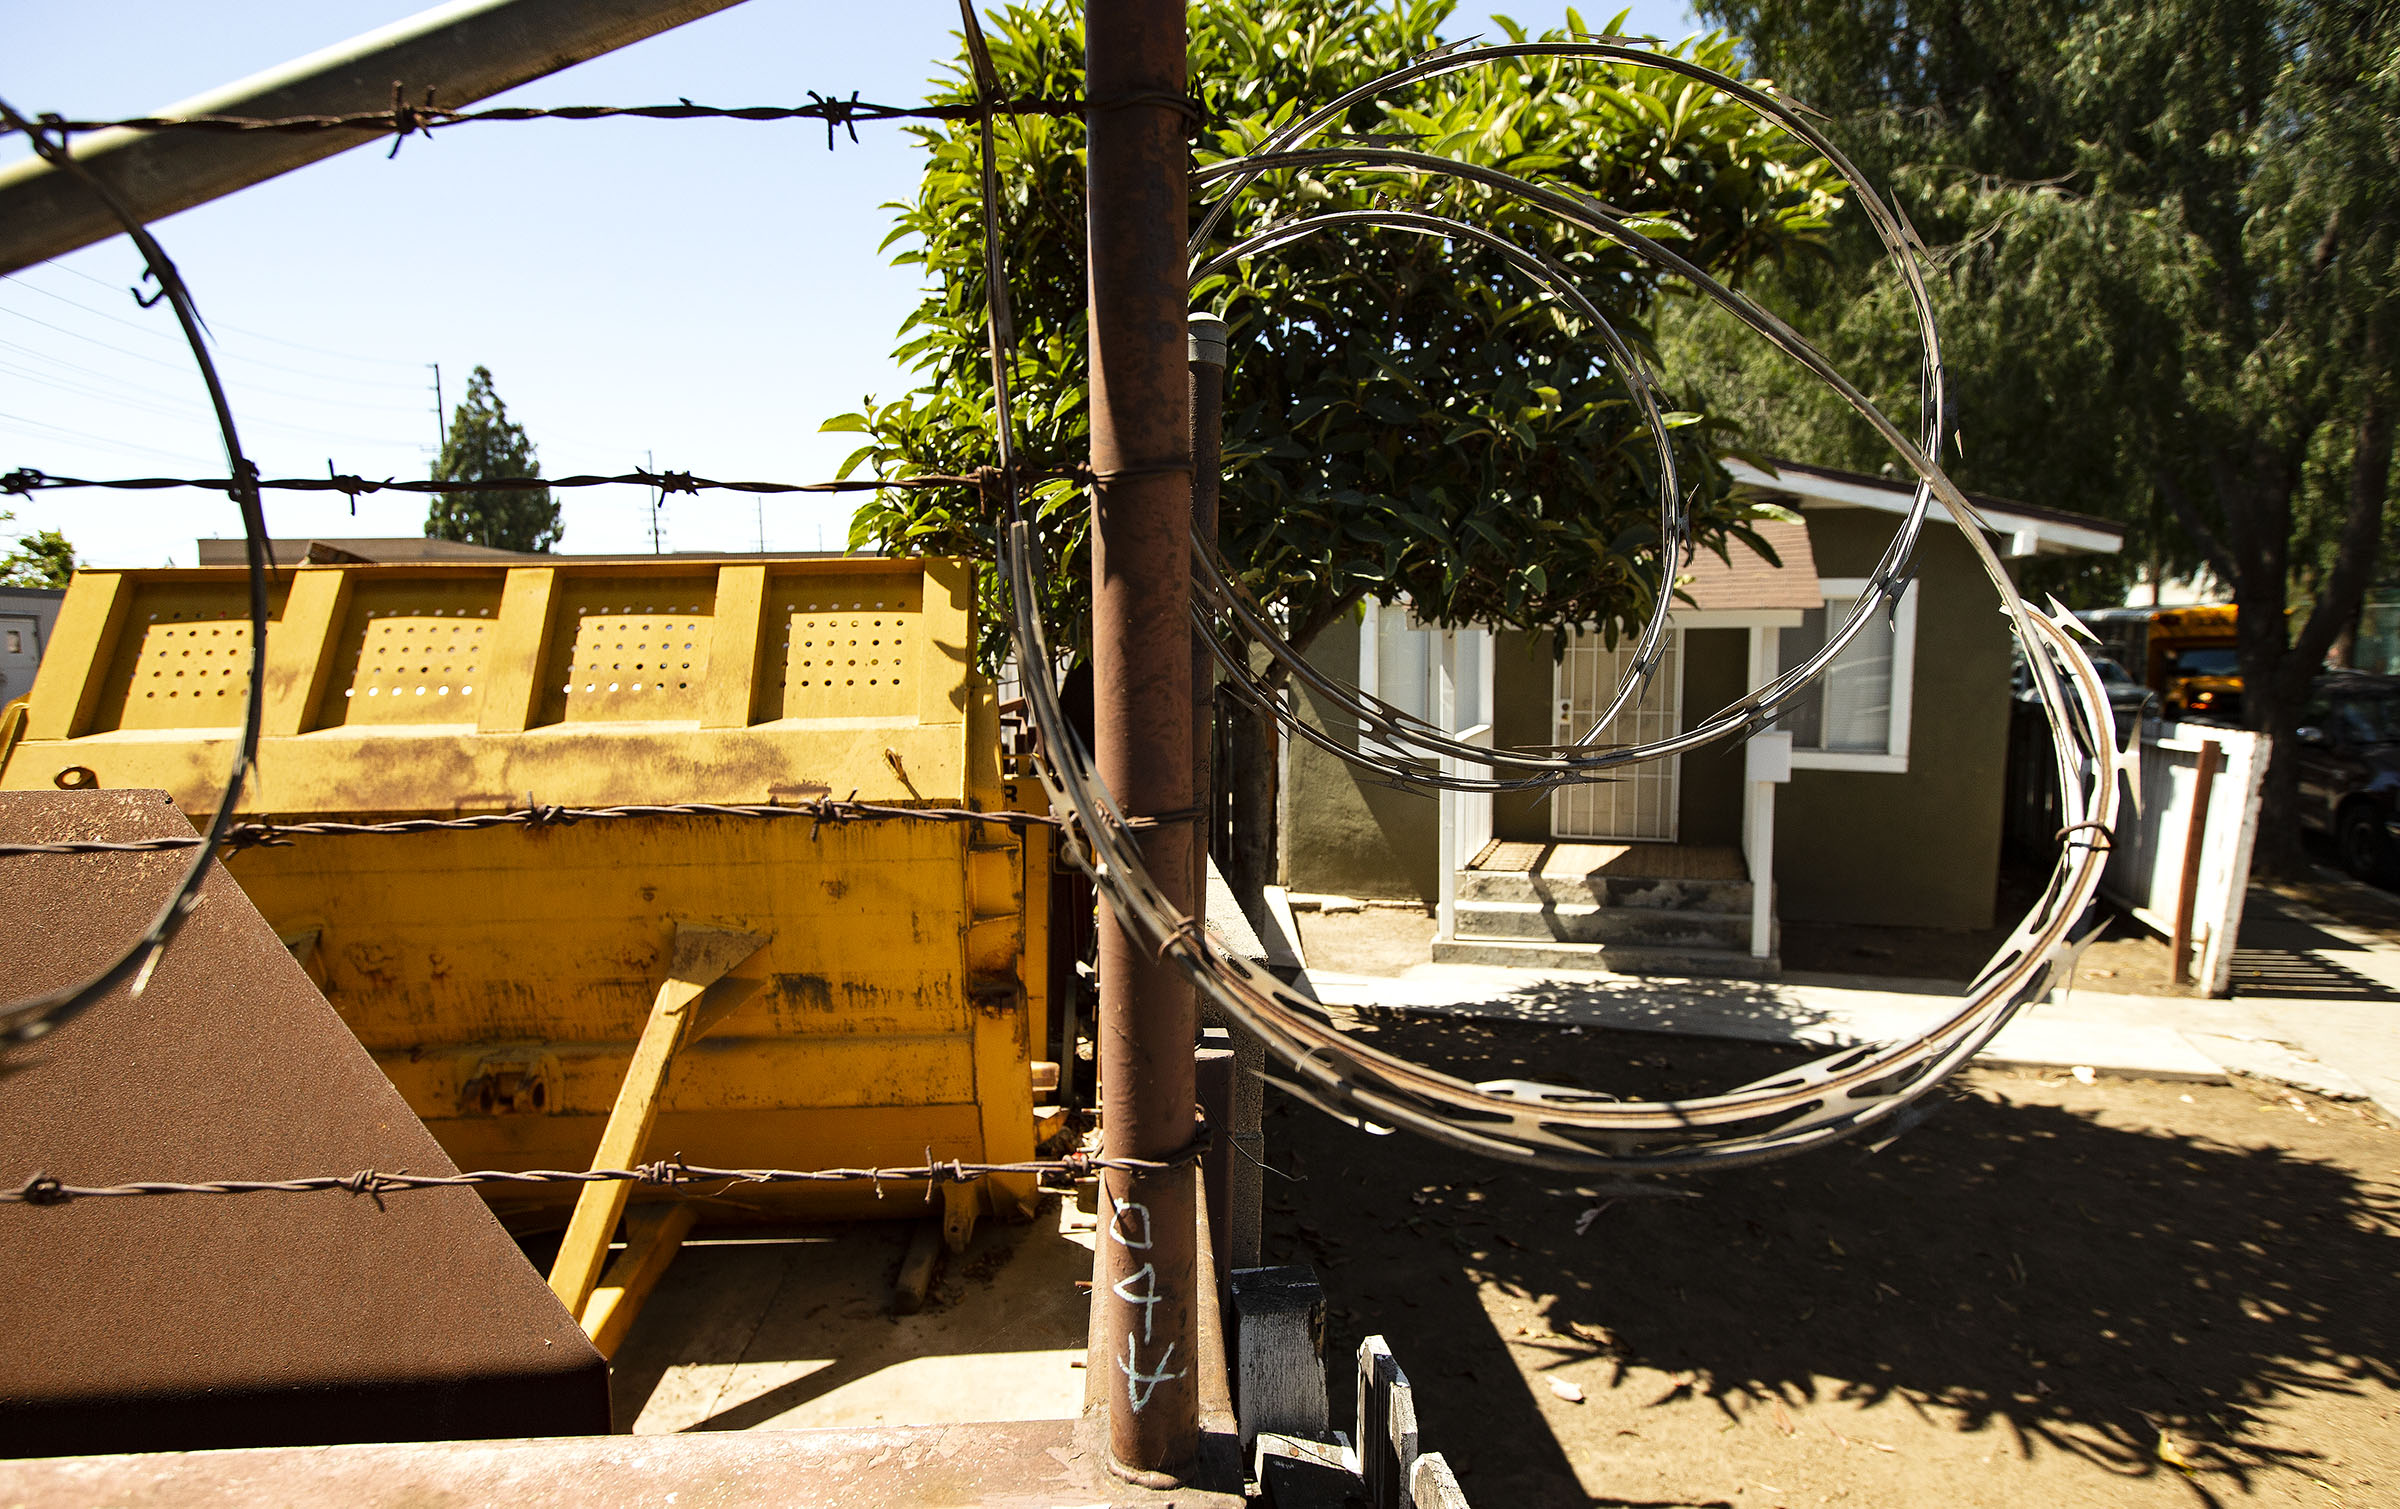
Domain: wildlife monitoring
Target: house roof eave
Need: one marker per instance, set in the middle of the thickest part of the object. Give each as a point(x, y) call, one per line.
point(2054, 531)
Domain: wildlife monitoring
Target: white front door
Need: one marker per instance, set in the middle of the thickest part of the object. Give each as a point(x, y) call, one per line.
point(1640, 802)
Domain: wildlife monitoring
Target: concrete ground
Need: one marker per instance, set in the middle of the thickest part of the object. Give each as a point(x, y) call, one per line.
point(792, 1329)
point(2316, 1000)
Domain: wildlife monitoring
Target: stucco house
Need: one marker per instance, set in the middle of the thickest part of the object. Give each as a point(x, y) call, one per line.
point(1878, 800)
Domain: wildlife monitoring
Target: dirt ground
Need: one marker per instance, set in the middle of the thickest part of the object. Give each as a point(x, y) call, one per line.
point(2050, 1294)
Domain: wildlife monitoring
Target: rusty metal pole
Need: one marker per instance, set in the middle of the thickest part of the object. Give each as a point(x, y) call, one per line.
point(1236, 1208)
point(1206, 354)
point(1144, 1298)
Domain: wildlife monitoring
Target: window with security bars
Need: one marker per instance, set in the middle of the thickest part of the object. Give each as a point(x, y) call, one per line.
point(1637, 802)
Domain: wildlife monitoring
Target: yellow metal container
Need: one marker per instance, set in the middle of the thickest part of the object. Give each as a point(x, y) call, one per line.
point(502, 977)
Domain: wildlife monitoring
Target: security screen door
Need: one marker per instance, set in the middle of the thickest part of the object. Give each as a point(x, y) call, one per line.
point(1640, 804)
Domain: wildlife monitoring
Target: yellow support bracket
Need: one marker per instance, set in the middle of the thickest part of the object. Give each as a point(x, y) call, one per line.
point(653, 1234)
point(702, 956)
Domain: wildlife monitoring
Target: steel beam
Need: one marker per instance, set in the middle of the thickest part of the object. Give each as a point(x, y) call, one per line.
point(464, 51)
point(1145, 1299)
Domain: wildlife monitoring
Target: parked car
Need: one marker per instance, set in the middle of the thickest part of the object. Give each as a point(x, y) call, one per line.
point(2128, 699)
point(2350, 770)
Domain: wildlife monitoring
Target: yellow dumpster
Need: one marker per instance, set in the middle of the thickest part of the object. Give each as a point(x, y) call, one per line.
point(788, 994)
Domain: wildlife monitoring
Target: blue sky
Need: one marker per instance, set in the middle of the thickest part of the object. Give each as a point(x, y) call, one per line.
point(705, 293)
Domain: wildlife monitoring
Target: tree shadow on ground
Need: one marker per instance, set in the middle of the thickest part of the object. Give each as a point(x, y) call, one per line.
point(2018, 1267)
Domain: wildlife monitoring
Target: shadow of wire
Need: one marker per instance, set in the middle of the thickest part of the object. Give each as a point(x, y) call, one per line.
point(2022, 1266)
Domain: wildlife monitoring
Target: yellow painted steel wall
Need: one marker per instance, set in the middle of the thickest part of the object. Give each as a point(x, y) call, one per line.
point(501, 976)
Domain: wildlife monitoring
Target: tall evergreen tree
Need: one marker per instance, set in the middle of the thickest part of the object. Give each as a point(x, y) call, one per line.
point(2166, 249)
point(484, 442)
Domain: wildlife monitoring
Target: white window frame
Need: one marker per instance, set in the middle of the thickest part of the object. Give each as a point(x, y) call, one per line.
point(1370, 673)
point(1894, 758)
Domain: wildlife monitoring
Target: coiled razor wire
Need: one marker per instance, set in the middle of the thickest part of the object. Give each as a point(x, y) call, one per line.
point(1545, 1125)
point(36, 1016)
point(1519, 1121)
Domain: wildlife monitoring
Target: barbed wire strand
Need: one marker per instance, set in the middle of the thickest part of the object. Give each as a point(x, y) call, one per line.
point(403, 118)
point(43, 1189)
point(25, 481)
point(819, 812)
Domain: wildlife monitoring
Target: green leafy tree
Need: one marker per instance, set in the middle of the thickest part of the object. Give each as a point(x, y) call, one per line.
point(484, 442)
point(1402, 417)
point(41, 559)
point(2166, 236)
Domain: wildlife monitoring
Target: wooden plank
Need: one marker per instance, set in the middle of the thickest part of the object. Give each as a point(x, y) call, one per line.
point(702, 955)
point(1279, 1349)
point(653, 1235)
point(917, 1266)
point(2187, 890)
point(1376, 1371)
point(1294, 1473)
point(1432, 1485)
point(1400, 1434)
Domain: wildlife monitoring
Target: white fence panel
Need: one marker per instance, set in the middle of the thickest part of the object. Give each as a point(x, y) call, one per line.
point(2145, 869)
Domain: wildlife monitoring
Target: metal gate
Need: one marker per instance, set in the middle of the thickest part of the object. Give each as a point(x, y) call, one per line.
point(1640, 803)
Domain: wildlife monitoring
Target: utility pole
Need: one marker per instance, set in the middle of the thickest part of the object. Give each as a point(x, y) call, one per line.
point(1144, 1299)
point(441, 415)
point(658, 504)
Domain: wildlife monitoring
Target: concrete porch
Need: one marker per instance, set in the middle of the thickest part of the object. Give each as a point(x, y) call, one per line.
point(1640, 908)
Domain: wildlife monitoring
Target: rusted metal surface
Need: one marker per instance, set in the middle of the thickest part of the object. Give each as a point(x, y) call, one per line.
point(1143, 1298)
point(158, 1325)
point(1021, 1465)
point(1206, 353)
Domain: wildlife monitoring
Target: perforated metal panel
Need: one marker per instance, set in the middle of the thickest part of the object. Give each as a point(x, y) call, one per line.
point(412, 652)
point(850, 648)
point(183, 660)
point(639, 651)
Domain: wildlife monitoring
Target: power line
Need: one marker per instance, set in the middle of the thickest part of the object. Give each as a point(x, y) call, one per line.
point(260, 335)
point(26, 481)
point(357, 382)
point(101, 440)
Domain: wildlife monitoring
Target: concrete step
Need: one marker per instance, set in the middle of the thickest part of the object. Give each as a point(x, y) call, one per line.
point(1627, 891)
point(1588, 922)
point(1617, 958)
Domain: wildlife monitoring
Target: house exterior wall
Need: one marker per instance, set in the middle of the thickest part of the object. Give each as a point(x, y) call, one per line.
point(1341, 836)
point(1920, 848)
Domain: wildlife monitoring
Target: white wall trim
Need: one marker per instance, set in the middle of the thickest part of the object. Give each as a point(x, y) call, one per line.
point(2052, 536)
